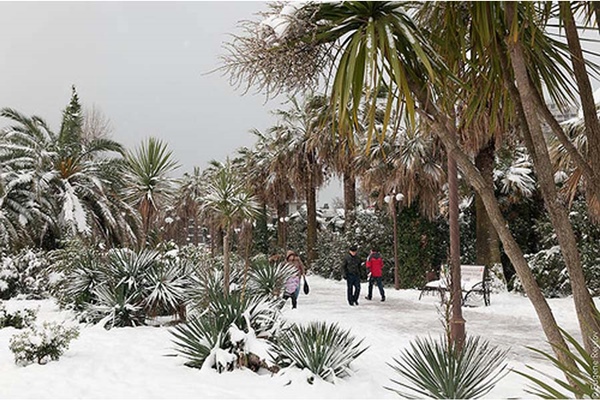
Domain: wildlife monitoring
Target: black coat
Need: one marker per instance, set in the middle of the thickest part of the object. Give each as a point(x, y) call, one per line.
point(351, 266)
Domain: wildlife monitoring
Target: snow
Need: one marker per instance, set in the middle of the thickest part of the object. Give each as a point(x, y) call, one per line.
point(140, 362)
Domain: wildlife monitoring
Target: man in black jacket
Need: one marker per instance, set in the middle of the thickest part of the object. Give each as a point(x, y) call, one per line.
point(351, 273)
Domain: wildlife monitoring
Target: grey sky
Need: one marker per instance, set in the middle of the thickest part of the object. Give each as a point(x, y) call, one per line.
point(142, 64)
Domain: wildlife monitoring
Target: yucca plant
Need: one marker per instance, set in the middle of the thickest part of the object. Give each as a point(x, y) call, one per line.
point(259, 312)
point(435, 369)
point(324, 349)
point(583, 381)
point(198, 337)
point(268, 279)
point(165, 288)
point(117, 307)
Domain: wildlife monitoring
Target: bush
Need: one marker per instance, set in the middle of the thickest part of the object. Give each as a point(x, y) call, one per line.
point(324, 349)
point(18, 319)
point(231, 329)
point(24, 274)
point(435, 369)
point(268, 279)
point(42, 345)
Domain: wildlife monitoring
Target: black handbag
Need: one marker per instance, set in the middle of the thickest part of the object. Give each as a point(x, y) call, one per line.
point(306, 288)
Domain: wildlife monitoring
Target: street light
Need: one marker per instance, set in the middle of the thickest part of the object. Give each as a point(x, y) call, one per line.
point(392, 200)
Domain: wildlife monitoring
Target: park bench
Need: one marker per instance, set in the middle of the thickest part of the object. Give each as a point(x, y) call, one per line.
point(474, 284)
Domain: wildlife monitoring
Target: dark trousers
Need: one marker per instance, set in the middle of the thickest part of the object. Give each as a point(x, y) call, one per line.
point(353, 284)
point(377, 280)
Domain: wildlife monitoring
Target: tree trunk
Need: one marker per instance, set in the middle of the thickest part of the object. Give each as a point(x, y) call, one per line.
point(534, 139)
point(457, 322)
point(349, 198)
point(311, 220)
point(281, 225)
point(590, 114)
point(226, 264)
point(487, 245)
point(446, 132)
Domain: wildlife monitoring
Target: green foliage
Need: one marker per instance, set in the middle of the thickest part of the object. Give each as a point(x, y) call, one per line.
point(548, 264)
point(583, 380)
point(18, 319)
point(324, 349)
point(421, 245)
point(434, 369)
point(42, 345)
point(209, 336)
point(267, 278)
point(196, 339)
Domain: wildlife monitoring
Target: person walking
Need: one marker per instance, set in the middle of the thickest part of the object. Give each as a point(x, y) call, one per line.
point(351, 273)
point(292, 285)
point(375, 266)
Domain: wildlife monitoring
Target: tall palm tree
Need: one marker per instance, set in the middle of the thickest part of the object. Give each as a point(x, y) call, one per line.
point(228, 203)
point(295, 130)
point(149, 184)
point(267, 168)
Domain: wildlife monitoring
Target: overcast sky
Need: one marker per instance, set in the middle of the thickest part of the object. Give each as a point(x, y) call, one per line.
point(143, 64)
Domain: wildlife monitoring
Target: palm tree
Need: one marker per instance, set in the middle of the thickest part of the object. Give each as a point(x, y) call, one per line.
point(63, 179)
point(267, 169)
point(295, 132)
point(377, 44)
point(228, 203)
point(149, 185)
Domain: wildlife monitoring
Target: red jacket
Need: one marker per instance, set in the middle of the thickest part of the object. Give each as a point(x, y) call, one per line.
point(375, 264)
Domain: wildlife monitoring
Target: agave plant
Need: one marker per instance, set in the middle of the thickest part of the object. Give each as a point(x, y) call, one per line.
point(324, 349)
point(583, 381)
point(436, 369)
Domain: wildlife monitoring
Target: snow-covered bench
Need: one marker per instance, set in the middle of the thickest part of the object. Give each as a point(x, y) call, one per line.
point(473, 282)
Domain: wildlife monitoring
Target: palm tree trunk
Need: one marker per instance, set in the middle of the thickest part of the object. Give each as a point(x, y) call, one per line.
point(281, 225)
point(487, 245)
point(311, 220)
point(536, 144)
point(226, 263)
point(457, 322)
point(349, 198)
point(590, 114)
point(446, 132)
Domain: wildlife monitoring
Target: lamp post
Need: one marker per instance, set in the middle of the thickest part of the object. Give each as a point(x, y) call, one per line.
point(392, 200)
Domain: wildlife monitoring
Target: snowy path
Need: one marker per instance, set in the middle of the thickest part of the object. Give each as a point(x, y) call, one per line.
point(133, 362)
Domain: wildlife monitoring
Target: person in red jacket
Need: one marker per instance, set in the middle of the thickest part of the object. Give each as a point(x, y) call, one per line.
point(375, 266)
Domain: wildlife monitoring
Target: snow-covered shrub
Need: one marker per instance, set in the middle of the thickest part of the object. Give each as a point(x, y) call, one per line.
point(18, 319)
point(24, 274)
point(43, 344)
point(196, 339)
point(434, 369)
point(116, 307)
point(231, 331)
point(550, 273)
point(80, 270)
point(267, 278)
point(548, 264)
point(324, 349)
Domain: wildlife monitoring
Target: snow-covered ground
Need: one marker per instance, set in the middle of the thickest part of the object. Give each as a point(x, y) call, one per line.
point(140, 362)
